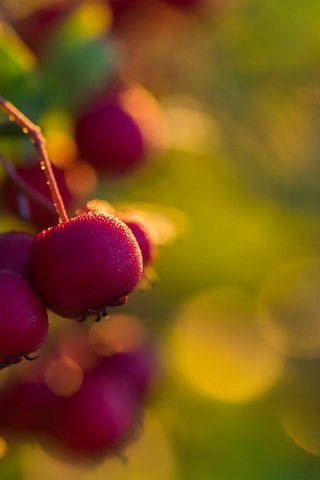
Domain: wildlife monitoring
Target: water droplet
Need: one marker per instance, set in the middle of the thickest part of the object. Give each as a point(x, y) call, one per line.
point(11, 118)
point(25, 130)
point(43, 167)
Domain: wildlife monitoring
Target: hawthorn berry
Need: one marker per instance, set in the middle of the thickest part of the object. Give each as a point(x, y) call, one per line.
point(96, 419)
point(138, 367)
point(20, 204)
point(14, 251)
point(109, 138)
point(23, 319)
point(96, 415)
point(147, 247)
point(85, 264)
point(24, 405)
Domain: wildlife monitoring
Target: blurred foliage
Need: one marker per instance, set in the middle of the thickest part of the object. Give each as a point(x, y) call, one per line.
point(239, 88)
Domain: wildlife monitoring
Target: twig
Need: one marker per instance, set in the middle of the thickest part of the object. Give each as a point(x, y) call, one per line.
point(24, 186)
point(39, 142)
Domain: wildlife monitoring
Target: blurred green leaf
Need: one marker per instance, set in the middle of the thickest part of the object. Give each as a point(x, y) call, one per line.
point(77, 63)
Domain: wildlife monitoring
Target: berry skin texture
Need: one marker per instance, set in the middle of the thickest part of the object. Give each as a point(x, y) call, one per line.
point(110, 139)
point(23, 318)
point(144, 241)
point(14, 251)
point(85, 264)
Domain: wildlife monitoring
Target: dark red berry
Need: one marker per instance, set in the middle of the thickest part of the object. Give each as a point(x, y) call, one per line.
point(110, 138)
point(14, 251)
point(85, 264)
point(136, 367)
point(97, 418)
point(23, 318)
point(26, 208)
point(145, 243)
point(24, 408)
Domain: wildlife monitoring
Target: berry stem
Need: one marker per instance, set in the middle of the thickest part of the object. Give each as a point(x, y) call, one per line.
point(24, 186)
point(39, 143)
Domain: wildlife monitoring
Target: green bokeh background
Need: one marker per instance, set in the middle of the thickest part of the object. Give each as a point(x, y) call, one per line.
point(240, 89)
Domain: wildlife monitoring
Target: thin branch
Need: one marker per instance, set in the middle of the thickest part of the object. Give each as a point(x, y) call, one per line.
point(39, 143)
point(24, 186)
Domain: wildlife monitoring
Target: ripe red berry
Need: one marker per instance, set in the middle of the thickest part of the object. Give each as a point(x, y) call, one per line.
point(18, 203)
point(14, 251)
point(97, 418)
point(145, 243)
point(110, 138)
point(24, 407)
point(138, 367)
point(85, 264)
point(23, 318)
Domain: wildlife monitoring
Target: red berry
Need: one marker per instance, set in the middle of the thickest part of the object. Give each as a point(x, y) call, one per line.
point(85, 264)
point(137, 367)
point(27, 209)
point(97, 418)
point(24, 407)
point(145, 243)
point(14, 251)
point(109, 138)
point(23, 318)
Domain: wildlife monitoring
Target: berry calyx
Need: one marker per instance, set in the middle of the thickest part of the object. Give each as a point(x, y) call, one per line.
point(85, 264)
point(23, 319)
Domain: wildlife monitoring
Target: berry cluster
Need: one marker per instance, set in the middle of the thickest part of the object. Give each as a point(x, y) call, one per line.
point(85, 263)
point(93, 385)
point(76, 269)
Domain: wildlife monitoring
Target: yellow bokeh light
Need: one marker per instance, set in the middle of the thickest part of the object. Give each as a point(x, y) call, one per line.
point(191, 128)
point(218, 349)
point(15, 48)
point(81, 178)
point(3, 447)
point(146, 111)
point(94, 17)
point(300, 415)
point(63, 376)
point(62, 148)
point(306, 438)
point(58, 127)
point(120, 333)
point(289, 308)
